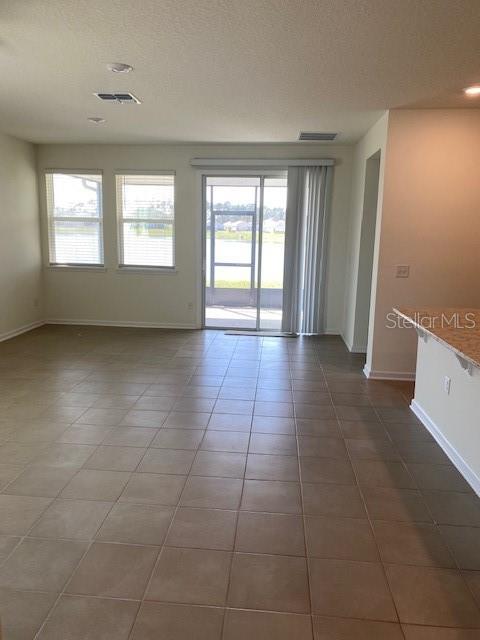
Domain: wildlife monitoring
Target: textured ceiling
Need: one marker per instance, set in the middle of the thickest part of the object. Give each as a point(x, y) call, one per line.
point(229, 70)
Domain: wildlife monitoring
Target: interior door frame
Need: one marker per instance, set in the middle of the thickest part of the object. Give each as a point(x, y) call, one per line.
point(278, 172)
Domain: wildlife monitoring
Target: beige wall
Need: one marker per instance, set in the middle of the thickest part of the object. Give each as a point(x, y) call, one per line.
point(20, 260)
point(158, 299)
point(373, 141)
point(430, 220)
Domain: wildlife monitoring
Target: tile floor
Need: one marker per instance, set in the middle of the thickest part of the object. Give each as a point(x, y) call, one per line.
point(197, 486)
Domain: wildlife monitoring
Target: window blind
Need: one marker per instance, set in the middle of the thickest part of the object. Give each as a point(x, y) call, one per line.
point(146, 220)
point(74, 207)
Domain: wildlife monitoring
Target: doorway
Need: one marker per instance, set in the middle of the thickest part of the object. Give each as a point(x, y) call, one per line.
point(367, 244)
point(243, 251)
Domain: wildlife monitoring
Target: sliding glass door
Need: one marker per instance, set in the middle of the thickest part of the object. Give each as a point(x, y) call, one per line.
point(272, 249)
point(244, 242)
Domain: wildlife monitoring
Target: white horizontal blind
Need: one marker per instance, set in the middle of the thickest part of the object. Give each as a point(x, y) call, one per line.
point(74, 207)
point(146, 220)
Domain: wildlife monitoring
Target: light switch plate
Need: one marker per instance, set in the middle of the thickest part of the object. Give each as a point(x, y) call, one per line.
point(402, 271)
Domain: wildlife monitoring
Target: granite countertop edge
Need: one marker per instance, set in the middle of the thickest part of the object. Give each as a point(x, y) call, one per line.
point(448, 336)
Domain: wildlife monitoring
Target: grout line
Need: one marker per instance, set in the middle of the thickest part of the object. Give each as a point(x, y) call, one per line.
point(362, 497)
point(304, 521)
point(61, 593)
point(237, 515)
point(162, 547)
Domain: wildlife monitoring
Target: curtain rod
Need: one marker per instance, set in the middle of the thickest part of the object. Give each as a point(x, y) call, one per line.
point(261, 162)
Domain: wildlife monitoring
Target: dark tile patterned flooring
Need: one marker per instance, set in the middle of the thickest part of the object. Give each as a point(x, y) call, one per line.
point(195, 486)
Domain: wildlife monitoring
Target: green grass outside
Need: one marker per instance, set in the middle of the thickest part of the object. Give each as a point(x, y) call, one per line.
point(156, 233)
point(246, 236)
point(235, 236)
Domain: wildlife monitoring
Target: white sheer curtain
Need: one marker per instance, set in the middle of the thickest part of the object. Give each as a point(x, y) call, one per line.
point(306, 249)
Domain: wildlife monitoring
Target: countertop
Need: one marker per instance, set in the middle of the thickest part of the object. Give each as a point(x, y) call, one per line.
point(458, 329)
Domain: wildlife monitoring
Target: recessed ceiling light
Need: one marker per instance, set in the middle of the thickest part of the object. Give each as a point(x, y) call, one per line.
point(473, 91)
point(119, 67)
point(97, 120)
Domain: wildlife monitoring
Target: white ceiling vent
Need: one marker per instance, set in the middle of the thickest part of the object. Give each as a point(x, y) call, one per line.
point(317, 136)
point(122, 98)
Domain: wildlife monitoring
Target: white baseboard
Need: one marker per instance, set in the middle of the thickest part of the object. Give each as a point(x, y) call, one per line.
point(16, 332)
point(375, 374)
point(353, 348)
point(122, 323)
point(464, 468)
point(356, 348)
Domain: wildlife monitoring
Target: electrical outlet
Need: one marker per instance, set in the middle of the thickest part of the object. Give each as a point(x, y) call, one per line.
point(446, 385)
point(190, 306)
point(402, 271)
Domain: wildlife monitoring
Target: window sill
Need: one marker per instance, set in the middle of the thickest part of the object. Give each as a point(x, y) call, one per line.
point(72, 267)
point(165, 271)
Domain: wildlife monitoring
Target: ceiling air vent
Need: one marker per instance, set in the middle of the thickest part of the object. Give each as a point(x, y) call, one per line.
point(122, 98)
point(316, 136)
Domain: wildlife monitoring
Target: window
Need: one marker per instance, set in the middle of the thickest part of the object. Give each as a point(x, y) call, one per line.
point(145, 209)
point(74, 207)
